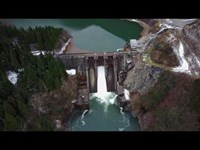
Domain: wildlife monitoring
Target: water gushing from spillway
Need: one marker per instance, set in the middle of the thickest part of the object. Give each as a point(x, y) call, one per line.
point(102, 86)
point(102, 95)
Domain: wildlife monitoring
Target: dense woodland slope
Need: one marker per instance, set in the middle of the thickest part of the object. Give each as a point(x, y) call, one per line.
point(35, 74)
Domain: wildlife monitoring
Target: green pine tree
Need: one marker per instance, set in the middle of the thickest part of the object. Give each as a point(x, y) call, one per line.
point(13, 59)
point(6, 87)
point(10, 122)
point(57, 83)
point(21, 107)
point(46, 124)
point(9, 108)
point(49, 81)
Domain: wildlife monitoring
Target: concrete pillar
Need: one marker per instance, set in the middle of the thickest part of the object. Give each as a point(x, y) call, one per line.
point(87, 76)
point(124, 61)
point(115, 70)
point(95, 64)
point(86, 68)
point(105, 57)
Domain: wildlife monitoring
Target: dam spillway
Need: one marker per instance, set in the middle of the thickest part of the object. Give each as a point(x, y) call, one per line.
point(86, 65)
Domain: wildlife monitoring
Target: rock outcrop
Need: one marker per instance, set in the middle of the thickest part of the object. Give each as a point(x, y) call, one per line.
point(57, 104)
point(140, 78)
point(173, 106)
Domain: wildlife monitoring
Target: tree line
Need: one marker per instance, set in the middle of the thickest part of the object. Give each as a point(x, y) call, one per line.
point(40, 73)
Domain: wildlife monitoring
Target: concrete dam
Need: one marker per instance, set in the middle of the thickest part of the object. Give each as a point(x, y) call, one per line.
point(116, 65)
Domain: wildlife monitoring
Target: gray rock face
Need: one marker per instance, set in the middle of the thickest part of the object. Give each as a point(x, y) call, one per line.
point(140, 78)
point(191, 34)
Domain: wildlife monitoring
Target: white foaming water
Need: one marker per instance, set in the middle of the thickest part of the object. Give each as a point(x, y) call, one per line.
point(101, 83)
point(125, 120)
point(112, 99)
point(126, 126)
point(121, 110)
point(123, 114)
point(126, 94)
point(83, 122)
point(102, 93)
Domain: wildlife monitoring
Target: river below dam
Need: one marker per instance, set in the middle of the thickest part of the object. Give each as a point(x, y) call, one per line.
point(96, 35)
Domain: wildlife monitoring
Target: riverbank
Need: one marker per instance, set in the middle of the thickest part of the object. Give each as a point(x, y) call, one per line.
point(71, 48)
point(145, 26)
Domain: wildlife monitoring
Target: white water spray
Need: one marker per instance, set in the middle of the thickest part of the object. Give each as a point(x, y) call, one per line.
point(121, 110)
point(83, 122)
point(126, 94)
point(101, 86)
point(112, 99)
point(102, 93)
point(125, 119)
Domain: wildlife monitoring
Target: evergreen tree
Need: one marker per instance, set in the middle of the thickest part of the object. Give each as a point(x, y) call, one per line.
point(21, 106)
point(32, 79)
point(57, 83)
point(1, 112)
point(6, 87)
point(9, 108)
point(46, 124)
point(40, 68)
point(40, 73)
point(13, 59)
point(1, 125)
point(49, 81)
point(10, 122)
point(11, 100)
point(41, 85)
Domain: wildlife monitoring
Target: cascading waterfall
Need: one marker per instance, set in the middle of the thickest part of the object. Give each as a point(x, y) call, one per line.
point(102, 95)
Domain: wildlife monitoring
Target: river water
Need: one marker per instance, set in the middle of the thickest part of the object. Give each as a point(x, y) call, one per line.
point(96, 35)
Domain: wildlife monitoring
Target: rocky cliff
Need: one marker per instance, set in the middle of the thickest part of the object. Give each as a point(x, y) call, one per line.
point(56, 106)
point(164, 86)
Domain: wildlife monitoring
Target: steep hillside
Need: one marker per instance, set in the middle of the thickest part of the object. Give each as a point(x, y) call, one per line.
point(27, 70)
point(165, 85)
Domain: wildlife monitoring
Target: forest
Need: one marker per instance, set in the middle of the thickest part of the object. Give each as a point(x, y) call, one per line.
point(35, 74)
